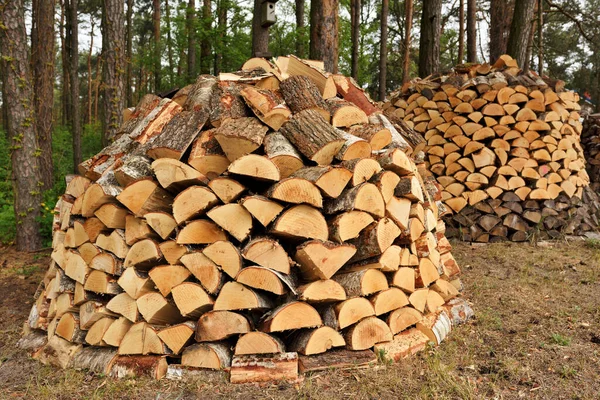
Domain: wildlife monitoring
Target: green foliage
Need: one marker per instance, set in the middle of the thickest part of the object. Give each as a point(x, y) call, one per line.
point(560, 340)
point(63, 165)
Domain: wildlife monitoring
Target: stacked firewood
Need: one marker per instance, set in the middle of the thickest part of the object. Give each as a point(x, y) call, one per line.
point(590, 140)
point(254, 222)
point(505, 147)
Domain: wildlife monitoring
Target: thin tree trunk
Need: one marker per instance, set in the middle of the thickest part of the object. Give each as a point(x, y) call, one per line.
point(66, 91)
point(97, 86)
point(461, 31)
point(205, 50)
point(221, 30)
point(324, 21)
point(89, 72)
point(260, 34)
point(541, 37)
point(408, 15)
point(429, 46)
point(383, 50)
point(113, 26)
point(471, 31)
point(520, 30)
point(300, 27)
point(157, 50)
point(169, 43)
point(500, 19)
point(75, 104)
point(190, 20)
point(19, 95)
point(42, 60)
point(355, 7)
point(129, 59)
point(529, 48)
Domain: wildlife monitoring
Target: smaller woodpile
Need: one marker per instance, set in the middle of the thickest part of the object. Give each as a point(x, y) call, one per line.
point(252, 223)
point(505, 147)
point(590, 140)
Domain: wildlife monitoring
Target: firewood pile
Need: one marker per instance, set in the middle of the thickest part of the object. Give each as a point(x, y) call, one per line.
point(266, 222)
point(590, 140)
point(505, 147)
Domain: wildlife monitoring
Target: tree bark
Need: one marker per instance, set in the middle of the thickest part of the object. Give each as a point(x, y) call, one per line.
point(520, 30)
point(500, 18)
point(324, 21)
point(205, 45)
point(461, 31)
point(21, 120)
point(260, 34)
point(128, 80)
point(66, 92)
point(157, 49)
point(42, 54)
point(472, 31)
point(383, 50)
point(408, 15)
point(190, 20)
point(169, 42)
point(113, 27)
point(74, 85)
point(221, 31)
point(300, 26)
point(355, 7)
point(89, 73)
point(429, 46)
point(540, 37)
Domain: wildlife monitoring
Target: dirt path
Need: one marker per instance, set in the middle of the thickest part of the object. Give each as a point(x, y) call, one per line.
point(537, 335)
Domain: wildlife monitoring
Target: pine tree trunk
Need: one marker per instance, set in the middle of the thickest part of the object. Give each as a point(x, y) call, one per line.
point(408, 15)
point(324, 23)
point(355, 8)
point(21, 117)
point(472, 31)
point(520, 30)
point(429, 46)
point(190, 20)
point(75, 103)
point(300, 26)
point(221, 31)
point(260, 34)
point(500, 18)
point(113, 45)
point(383, 50)
point(66, 92)
point(42, 60)
point(89, 73)
point(128, 80)
point(540, 37)
point(205, 51)
point(157, 49)
point(461, 32)
point(169, 42)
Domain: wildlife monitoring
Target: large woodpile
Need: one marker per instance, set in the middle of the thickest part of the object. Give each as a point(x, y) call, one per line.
point(505, 147)
point(590, 140)
point(263, 222)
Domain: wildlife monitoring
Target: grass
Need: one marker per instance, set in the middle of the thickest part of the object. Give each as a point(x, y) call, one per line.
point(536, 335)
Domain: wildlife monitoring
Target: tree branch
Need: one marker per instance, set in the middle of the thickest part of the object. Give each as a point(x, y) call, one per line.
point(572, 18)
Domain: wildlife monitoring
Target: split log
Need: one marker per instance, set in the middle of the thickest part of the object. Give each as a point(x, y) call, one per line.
point(240, 136)
point(321, 291)
point(301, 222)
point(296, 191)
point(174, 176)
point(157, 310)
point(283, 154)
point(145, 196)
point(154, 367)
point(219, 325)
point(316, 341)
point(207, 355)
point(290, 316)
point(261, 208)
point(177, 336)
point(364, 197)
point(257, 368)
point(258, 343)
point(300, 94)
point(206, 271)
point(330, 180)
point(226, 256)
point(207, 156)
point(191, 299)
point(234, 219)
point(235, 296)
point(267, 105)
point(367, 333)
point(321, 260)
point(267, 253)
point(403, 345)
point(347, 312)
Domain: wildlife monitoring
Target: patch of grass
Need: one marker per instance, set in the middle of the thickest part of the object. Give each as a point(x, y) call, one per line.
point(567, 372)
point(27, 270)
point(592, 244)
point(560, 340)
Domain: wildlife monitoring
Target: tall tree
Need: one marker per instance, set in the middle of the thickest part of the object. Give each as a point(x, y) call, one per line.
point(472, 31)
point(42, 60)
point(190, 23)
point(157, 50)
point(113, 43)
point(500, 18)
point(540, 25)
point(89, 117)
point(129, 55)
point(429, 45)
point(205, 51)
point(385, 5)
point(461, 31)
point(169, 42)
point(520, 30)
point(18, 85)
point(221, 30)
point(300, 26)
point(355, 8)
point(74, 83)
point(408, 16)
point(64, 46)
point(260, 34)
point(324, 21)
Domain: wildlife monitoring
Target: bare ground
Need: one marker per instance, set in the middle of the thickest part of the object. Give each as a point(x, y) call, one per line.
point(536, 335)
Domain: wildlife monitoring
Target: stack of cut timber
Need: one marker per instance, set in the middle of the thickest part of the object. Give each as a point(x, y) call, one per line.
point(252, 223)
point(590, 140)
point(505, 147)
